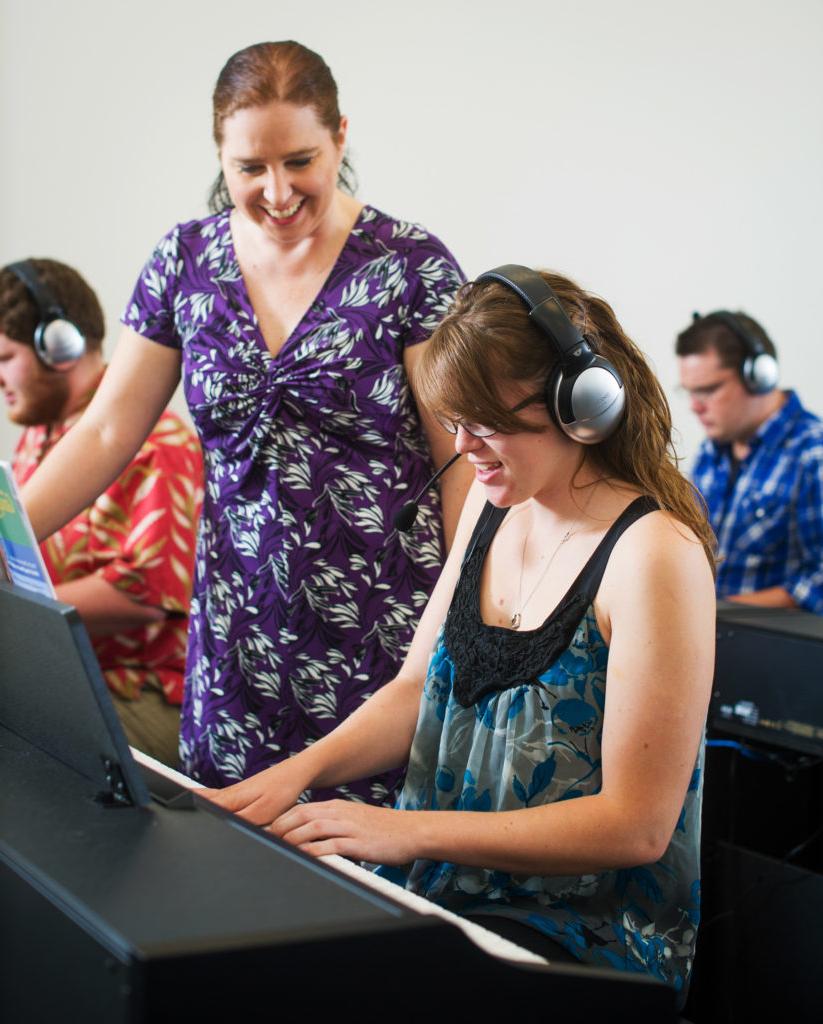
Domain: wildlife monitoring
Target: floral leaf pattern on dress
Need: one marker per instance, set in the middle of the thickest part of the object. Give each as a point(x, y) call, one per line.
point(308, 455)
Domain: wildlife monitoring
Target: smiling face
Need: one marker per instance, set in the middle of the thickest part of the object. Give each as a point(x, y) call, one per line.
point(281, 164)
point(515, 467)
point(33, 393)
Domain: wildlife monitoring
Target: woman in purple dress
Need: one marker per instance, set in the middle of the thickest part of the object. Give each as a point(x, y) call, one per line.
point(296, 315)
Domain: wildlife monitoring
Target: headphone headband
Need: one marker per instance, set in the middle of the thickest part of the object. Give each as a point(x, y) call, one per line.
point(758, 370)
point(584, 394)
point(543, 305)
point(58, 342)
point(48, 305)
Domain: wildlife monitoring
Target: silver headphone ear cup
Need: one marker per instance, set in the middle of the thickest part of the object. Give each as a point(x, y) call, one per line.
point(760, 373)
point(59, 344)
point(588, 407)
point(584, 393)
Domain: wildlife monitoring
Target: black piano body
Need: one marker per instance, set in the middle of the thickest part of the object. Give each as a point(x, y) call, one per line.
point(139, 911)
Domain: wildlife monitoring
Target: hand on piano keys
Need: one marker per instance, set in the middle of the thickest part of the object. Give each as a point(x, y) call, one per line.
point(486, 940)
point(258, 799)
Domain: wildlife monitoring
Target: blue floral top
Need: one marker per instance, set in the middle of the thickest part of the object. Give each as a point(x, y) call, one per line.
point(533, 741)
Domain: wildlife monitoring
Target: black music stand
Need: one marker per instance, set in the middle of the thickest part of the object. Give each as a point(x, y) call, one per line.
point(53, 694)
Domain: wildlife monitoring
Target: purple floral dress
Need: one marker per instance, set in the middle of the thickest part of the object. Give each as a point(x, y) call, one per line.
point(305, 596)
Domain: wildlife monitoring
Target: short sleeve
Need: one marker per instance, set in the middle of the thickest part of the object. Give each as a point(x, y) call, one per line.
point(150, 310)
point(435, 277)
point(143, 528)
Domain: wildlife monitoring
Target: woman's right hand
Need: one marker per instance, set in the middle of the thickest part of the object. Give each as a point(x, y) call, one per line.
point(263, 797)
point(377, 736)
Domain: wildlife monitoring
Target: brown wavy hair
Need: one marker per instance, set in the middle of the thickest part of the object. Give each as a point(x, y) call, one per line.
point(487, 339)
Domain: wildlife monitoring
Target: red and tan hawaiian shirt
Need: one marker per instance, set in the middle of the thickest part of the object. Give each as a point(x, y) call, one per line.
point(139, 536)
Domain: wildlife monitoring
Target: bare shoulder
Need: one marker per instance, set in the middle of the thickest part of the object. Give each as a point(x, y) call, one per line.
point(660, 539)
point(658, 568)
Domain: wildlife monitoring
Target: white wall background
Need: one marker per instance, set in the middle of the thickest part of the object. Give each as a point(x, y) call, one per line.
point(667, 155)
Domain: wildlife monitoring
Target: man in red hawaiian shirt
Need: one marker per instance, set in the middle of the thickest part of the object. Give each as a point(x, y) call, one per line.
point(126, 562)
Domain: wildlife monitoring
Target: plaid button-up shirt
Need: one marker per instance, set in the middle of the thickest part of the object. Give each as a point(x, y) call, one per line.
point(769, 520)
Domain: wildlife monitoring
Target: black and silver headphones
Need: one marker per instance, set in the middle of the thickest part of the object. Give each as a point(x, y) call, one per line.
point(58, 342)
point(758, 371)
point(584, 394)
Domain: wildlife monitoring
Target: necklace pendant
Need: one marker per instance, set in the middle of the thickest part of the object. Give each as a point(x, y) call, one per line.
point(515, 620)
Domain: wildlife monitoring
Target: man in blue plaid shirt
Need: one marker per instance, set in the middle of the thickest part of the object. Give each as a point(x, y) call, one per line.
point(760, 468)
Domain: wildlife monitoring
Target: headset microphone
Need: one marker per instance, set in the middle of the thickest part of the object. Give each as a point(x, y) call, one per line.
point(404, 519)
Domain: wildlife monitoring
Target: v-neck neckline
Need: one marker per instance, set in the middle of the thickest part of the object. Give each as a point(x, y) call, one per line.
point(249, 307)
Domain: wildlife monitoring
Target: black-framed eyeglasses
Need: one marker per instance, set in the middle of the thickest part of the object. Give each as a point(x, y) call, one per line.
point(478, 429)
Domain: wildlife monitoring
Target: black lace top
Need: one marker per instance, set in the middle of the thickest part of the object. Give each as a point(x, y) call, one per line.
point(489, 658)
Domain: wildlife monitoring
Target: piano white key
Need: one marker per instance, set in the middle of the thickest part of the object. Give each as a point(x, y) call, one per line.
point(489, 942)
point(163, 769)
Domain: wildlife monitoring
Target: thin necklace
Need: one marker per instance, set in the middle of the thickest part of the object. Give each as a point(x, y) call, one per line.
point(518, 615)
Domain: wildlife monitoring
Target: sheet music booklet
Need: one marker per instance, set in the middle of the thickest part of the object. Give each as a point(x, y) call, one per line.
point(21, 562)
